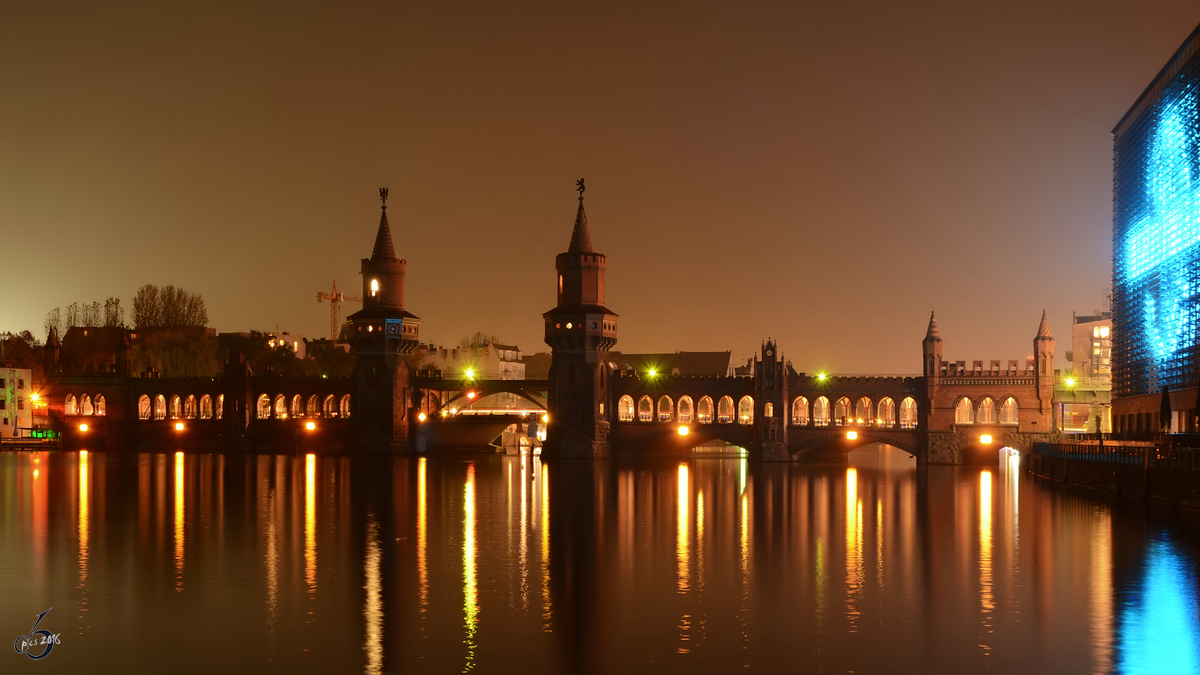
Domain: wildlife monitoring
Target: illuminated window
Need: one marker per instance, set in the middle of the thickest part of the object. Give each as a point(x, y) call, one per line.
point(746, 410)
point(964, 411)
point(665, 409)
point(684, 411)
point(625, 409)
point(821, 412)
point(987, 412)
point(800, 411)
point(704, 411)
point(374, 287)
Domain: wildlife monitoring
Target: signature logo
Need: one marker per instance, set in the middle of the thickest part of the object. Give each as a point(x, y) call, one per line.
point(28, 644)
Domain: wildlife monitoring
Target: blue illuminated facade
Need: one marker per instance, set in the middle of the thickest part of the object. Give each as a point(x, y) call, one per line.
point(1156, 232)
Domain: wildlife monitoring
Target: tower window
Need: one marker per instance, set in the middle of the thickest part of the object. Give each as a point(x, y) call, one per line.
point(374, 287)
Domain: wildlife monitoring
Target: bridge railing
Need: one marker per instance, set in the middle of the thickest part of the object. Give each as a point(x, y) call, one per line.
point(1180, 458)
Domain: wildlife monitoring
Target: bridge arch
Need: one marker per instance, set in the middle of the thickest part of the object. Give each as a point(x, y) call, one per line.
point(837, 440)
point(189, 407)
point(666, 409)
point(862, 411)
point(746, 410)
point(206, 407)
point(908, 413)
point(841, 412)
point(725, 410)
point(645, 409)
point(1010, 411)
point(964, 411)
point(704, 410)
point(885, 412)
point(160, 407)
point(986, 413)
point(800, 412)
point(625, 411)
point(683, 411)
point(821, 416)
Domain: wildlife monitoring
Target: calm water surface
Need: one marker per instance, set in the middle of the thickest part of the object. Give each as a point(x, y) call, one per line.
point(192, 563)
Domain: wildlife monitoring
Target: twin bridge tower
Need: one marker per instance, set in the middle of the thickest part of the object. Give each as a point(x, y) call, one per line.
point(948, 414)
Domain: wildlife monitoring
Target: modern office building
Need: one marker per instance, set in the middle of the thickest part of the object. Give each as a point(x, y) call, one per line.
point(1156, 240)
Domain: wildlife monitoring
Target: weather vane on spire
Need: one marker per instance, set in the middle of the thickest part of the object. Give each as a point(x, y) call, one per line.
point(383, 196)
point(579, 186)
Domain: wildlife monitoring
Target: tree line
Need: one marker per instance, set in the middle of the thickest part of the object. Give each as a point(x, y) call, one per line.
point(153, 308)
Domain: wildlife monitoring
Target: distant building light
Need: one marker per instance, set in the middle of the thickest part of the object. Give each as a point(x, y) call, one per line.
point(421, 417)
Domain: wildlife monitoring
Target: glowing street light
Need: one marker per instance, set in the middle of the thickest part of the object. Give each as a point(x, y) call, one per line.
point(653, 373)
point(470, 374)
point(852, 435)
point(546, 418)
point(421, 417)
point(986, 439)
point(821, 377)
point(310, 425)
point(1070, 382)
point(83, 426)
point(34, 397)
point(470, 394)
point(179, 426)
point(683, 430)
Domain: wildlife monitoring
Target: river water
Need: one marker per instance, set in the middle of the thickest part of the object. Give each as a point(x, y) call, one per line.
point(200, 563)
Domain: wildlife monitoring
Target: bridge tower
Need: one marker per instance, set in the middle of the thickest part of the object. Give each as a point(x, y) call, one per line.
point(580, 330)
point(771, 407)
point(384, 335)
point(1043, 358)
point(931, 356)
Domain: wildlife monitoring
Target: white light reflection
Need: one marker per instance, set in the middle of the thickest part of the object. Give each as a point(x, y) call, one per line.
point(854, 549)
point(1100, 599)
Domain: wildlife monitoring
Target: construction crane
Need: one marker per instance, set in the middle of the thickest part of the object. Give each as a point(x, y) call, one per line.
point(336, 299)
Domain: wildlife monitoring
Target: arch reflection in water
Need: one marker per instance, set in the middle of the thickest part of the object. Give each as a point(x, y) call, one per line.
point(1159, 629)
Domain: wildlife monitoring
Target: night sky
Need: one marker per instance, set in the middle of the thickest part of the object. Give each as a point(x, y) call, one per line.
point(821, 173)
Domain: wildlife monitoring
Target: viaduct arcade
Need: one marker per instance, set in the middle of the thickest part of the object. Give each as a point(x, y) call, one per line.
point(951, 413)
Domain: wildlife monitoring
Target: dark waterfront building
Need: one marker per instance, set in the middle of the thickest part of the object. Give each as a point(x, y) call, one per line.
point(1156, 243)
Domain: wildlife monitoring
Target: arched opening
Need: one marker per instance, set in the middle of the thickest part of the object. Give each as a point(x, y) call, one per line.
point(987, 412)
point(70, 405)
point(327, 406)
point(684, 413)
point(297, 407)
point(344, 406)
point(862, 412)
point(666, 409)
point(768, 410)
point(313, 408)
point(160, 407)
point(1009, 411)
point(800, 412)
point(189, 407)
point(841, 412)
point(280, 406)
point(264, 407)
point(746, 410)
point(85, 404)
point(220, 406)
point(821, 416)
point(885, 413)
point(908, 413)
point(963, 411)
point(206, 411)
point(144, 409)
point(645, 409)
point(101, 405)
point(625, 409)
point(725, 410)
point(704, 411)
point(175, 411)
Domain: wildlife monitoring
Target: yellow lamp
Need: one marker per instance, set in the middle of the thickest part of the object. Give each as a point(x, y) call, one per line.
point(852, 435)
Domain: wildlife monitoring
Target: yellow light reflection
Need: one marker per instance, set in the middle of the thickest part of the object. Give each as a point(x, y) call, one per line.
point(179, 531)
point(681, 535)
point(523, 550)
point(700, 540)
point(986, 598)
point(1100, 599)
point(854, 549)
point(373, 608)
point(422, 524)
point(83, 516)
point(470, 588)
point(310, 521)
point(547, 608)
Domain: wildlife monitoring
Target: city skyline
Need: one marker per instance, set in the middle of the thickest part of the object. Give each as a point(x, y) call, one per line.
point(723, 168)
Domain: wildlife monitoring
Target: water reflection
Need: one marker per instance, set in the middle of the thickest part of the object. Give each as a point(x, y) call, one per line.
point(1159, 629)
point(708, 566)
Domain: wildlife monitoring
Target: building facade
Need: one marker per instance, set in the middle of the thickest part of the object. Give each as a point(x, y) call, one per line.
point(1156, 233)
point(16, 401)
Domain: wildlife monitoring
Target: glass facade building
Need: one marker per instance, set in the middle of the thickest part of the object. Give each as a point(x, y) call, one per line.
point(1156, 232)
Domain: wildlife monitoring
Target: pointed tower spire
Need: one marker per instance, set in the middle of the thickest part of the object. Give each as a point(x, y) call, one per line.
point(1044, 327)
point(581, 240)
point(384, 249)
point(932, 332)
